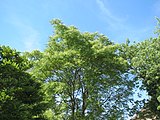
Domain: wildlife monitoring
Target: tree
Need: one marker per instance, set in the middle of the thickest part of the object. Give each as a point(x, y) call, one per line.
point(146, 64)
point(32, 57)
point(144, 59)
point(20, 93)
point(84, 75)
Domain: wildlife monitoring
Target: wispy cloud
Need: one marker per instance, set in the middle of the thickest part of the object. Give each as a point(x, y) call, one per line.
point(121, 25)
point(29, 36)
point(31, 41)
point(112, 20)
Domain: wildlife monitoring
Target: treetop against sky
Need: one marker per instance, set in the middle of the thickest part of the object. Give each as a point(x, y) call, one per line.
point(25, 24)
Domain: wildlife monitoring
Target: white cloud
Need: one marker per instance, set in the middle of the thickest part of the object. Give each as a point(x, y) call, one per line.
point(120, 25)
point(29, 36)
point(112, 20)
point(31, 41)
point(106, 11)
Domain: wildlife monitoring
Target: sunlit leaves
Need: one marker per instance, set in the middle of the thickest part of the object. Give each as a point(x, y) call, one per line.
point(83, 74)
point(145, 64)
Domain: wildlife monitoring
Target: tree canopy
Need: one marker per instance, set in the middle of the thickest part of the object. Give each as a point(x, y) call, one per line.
point(20, 96)
point(144, 60)
point(87, 76)
point(146, 66)
point(79, 76)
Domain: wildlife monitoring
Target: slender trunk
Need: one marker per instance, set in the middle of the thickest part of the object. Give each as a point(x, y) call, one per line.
point(73, 111)
point(73, 99)
point(83, 106)
point(84, 102)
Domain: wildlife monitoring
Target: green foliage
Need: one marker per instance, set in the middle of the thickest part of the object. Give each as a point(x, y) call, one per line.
point(20, 96)
point(157, 31)
point(144, 60)
point(79, 76)
point(84, 76)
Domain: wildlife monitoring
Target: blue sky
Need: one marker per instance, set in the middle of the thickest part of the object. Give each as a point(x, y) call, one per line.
point(24, 24)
